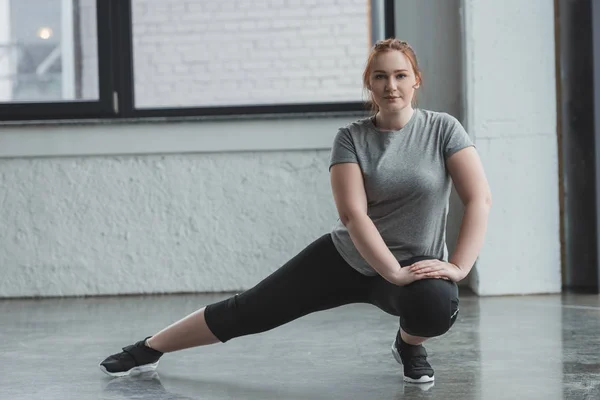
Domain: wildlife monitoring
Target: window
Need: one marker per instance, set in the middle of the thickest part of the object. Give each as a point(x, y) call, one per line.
point(46, 71)
point(247, 52)
point(42, 56)
point(149, 58)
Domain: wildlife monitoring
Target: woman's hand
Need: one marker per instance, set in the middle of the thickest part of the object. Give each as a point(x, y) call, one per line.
point(436, 269)
point(404, 276)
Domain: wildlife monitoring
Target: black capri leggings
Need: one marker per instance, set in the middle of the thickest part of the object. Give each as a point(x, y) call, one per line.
point(318, 278)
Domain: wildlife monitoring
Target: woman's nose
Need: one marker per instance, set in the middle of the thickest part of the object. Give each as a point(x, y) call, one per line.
point(390, 85)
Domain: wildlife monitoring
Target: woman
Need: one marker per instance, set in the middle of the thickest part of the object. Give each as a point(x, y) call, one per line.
point(391, 176)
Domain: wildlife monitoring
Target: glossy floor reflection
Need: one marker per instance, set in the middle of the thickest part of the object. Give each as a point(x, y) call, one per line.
point(535, 347)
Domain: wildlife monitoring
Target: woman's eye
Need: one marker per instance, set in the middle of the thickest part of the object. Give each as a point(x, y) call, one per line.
point(379, 76)
point(401, 76)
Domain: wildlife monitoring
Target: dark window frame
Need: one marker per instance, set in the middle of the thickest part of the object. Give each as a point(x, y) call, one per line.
point(101, 108)
point(117, 88)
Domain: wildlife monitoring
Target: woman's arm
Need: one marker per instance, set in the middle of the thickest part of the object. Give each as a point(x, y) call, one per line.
point(473, 189)
point(351, 202)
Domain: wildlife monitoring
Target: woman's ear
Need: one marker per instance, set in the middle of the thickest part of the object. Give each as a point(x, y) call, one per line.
point(418, 84)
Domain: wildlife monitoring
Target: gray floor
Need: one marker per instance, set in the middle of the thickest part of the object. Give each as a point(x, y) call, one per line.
point(538, 347)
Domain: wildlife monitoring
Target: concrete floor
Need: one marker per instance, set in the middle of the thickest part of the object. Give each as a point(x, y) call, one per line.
point(537, 347)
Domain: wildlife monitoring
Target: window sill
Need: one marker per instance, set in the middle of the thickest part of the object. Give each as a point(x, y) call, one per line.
point(177, 119)
point(171, 135)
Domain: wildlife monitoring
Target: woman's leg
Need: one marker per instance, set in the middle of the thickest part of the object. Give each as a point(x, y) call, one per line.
point(411, 339)
point(300, 280)
point(315, 279)
point(426, 308)
point(190, 331)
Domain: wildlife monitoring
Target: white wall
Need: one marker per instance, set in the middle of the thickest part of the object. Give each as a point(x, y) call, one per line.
point(97, 218)
point(157, 223)
point(511, 112)
point(158, 207)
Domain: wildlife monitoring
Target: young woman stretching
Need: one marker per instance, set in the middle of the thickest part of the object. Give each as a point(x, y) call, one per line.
point(391, 176)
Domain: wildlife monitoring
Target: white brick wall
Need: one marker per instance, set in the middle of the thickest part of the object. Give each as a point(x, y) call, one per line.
point(206, 53)
point(239, 52)
point(157, 224)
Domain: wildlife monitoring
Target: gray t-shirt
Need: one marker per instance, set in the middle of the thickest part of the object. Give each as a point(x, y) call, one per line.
point(406, 183)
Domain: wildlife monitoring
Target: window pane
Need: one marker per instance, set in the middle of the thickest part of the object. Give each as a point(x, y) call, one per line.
point(48, 50)
point(248, 52)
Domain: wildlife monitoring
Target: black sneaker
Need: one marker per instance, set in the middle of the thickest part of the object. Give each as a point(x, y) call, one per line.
point(134, 359)
point(414, 359)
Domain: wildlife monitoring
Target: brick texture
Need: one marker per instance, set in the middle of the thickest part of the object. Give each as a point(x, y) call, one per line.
point(242, 52)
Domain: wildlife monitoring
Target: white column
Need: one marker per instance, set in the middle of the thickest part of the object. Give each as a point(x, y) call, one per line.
point(510, 99)
point(67, 43)
point(6, 53)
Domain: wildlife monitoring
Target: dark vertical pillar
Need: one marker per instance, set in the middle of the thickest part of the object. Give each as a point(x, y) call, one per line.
point(596, 86)
point(578, 141)
point(390, 19)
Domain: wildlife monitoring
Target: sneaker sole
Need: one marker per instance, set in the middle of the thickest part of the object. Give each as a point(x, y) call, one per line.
point(423, 379)
point(133, 371)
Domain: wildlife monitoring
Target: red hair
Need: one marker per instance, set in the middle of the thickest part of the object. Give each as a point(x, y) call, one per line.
point(382, 46)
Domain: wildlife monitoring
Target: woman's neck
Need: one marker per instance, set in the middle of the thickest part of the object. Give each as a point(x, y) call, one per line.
point(393, 121)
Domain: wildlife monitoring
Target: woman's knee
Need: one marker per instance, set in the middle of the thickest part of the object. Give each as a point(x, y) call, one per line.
point(434, 309)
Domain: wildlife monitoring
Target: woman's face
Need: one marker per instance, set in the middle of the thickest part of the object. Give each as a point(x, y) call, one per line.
point(392, 81)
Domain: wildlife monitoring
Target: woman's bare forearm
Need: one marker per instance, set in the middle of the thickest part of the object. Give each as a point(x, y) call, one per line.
point(370, 245)
point(471, 235)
